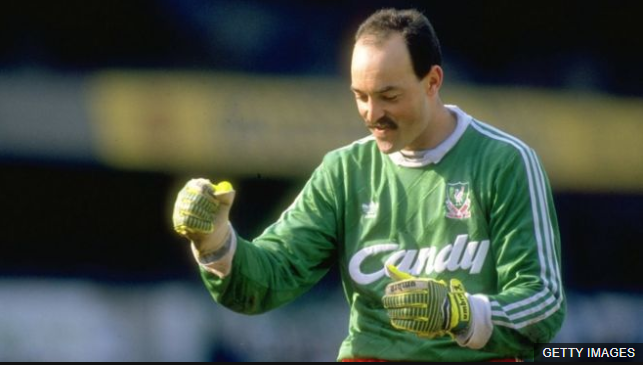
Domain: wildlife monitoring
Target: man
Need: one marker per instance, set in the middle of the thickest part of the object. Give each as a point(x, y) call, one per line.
point(444, 227)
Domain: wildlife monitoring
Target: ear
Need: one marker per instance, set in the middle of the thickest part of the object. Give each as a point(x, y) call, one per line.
point(433, 80)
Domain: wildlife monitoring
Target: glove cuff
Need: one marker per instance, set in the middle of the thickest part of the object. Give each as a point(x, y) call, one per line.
point(460, 311)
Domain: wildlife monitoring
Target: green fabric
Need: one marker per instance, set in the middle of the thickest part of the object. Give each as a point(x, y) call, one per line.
point(483, 215)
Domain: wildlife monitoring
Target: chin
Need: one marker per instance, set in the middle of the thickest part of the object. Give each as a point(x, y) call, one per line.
point(386, 147)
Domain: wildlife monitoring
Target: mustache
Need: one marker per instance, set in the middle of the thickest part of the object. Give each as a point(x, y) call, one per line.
point(384, 123)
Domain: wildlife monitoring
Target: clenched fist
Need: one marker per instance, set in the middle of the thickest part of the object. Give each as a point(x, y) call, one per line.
point(201, 213)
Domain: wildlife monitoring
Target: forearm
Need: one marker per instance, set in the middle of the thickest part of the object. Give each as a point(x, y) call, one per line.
point(258, 276)
point(285, 261)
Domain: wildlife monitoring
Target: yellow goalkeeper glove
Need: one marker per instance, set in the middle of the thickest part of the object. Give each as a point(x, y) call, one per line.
point(426, 307)
point(201, 213)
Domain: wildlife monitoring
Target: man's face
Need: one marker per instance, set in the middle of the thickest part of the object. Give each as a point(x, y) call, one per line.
point(390, 98)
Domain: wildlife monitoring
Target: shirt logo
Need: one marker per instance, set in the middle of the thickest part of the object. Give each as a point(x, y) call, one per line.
point(458, 203)
point(370, 210)
point(463, 254)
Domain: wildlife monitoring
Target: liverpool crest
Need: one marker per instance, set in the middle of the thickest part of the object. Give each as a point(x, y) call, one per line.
point(458, 203)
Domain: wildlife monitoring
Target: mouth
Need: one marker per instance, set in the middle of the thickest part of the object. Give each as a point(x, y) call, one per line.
point(383, 133)
point(380, 128)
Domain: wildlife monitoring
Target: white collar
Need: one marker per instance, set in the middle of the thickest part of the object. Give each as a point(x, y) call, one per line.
point(435, 155)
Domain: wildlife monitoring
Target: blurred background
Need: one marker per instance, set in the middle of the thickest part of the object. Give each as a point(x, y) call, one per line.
point(108, 107)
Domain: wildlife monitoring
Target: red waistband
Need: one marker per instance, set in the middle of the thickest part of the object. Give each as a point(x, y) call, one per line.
point(378, 360)
point(363, 360)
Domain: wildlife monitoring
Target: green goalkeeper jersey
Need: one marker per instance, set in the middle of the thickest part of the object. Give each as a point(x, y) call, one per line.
point(477, 208)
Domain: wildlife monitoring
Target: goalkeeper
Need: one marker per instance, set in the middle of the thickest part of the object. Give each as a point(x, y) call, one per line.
point(444, 227)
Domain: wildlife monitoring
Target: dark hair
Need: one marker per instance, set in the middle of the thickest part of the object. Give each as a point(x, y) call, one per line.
point(421, 40)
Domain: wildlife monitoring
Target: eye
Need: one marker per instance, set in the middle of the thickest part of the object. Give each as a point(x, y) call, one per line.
point(390, 97)
point(361, 97)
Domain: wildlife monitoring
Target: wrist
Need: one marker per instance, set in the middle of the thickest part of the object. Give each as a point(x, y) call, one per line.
point(480, 328)
point(218, 263)
point(208, 257)
point(460, 313)
point(213, 242)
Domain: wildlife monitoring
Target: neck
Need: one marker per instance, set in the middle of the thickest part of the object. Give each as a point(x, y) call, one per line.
point(441, 126)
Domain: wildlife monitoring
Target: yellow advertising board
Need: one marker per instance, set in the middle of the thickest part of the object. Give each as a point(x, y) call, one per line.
point(282, 126)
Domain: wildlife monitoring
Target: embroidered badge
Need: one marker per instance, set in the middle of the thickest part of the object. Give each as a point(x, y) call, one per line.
point(458, 203)
point(370, 210)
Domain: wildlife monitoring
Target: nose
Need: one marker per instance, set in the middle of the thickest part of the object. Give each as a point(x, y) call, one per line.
point(372, 111)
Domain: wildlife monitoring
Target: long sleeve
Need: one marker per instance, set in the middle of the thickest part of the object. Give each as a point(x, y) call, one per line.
point(529, 306)
point(288, 258)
